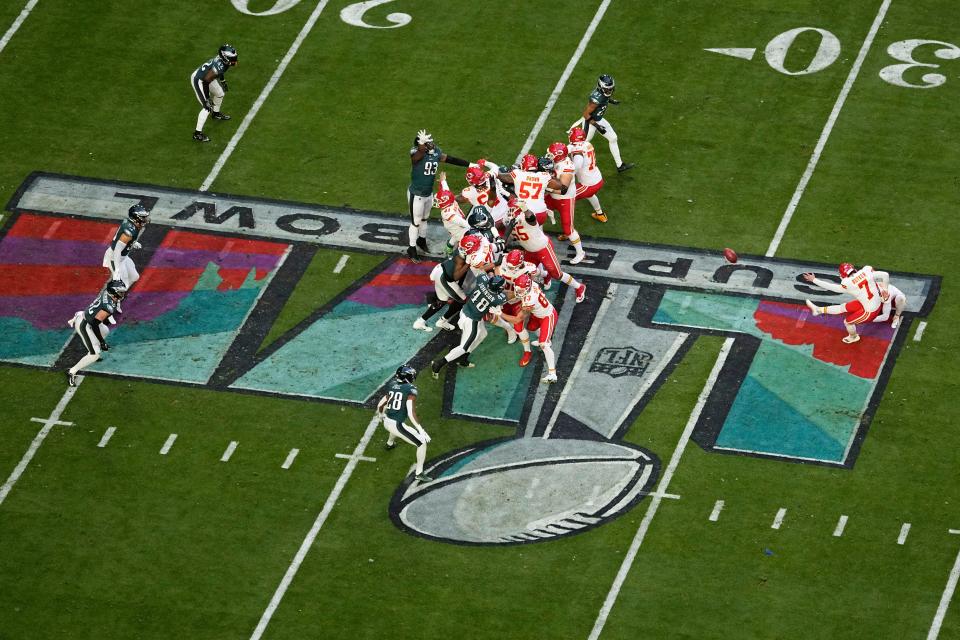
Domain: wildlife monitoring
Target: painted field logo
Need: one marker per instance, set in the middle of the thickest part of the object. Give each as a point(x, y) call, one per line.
point(622, 361)
point(218, 269)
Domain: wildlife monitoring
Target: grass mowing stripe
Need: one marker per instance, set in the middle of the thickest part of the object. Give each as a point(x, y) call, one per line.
point(48, 425)
point(945, 600)
point(267, 89)
point(315, 529)
point(561, 83)
point(655, 498)
point(837, 106)
point(16, 23)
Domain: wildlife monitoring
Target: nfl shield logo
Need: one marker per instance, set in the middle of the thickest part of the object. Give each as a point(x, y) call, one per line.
point(621, 361)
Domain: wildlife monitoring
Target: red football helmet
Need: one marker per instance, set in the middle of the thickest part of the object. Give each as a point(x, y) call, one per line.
point(846, 269)
point(577, 134)
point(469, 244)
point(476, 176)
point(514, 258)
point(523, 284)
point(443, 199)
point(529, 162)
point(557, 151)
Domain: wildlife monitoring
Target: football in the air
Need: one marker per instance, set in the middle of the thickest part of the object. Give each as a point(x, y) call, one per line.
point(730, 255)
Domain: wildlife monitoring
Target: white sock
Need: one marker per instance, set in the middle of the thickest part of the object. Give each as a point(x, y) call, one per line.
point(524, 340)
point(413, 233)
point(202, 119)
point(569, 280)
point(574, 239)
point(421, 457)
point(615, 151)
point(594, 202)
point(550, 357)
point(84, 362)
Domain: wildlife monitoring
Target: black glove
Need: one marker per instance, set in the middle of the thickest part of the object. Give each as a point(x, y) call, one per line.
point(223, 85)
point(611, 100)
point(105, 346)
point(208, 105)
point(600, 128)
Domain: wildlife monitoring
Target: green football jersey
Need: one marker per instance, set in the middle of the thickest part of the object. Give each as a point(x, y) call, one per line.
point(397, 394)
point(424, 173)
point(126, 228)
point(601, 101)
point(482, 298)
point(103, 302)
point(449, 268)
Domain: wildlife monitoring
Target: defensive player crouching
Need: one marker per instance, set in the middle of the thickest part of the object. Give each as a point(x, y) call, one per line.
point(527, 230)
point(865, 287)
point(90, 325)
point(589, 178)
point(395, 407)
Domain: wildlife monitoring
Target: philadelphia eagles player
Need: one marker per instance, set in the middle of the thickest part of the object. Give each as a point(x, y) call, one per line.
point(425, 158)
point(593, 119)
point(209, 86)
point(117, 256)
point(486, 297)
point(91, 326)
point(398, 405)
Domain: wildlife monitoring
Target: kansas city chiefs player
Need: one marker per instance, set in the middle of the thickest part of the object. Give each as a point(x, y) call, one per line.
point(450, 212)
point(565, 173)
point(865, 285)
point(530, 184)
point(538, 315)
point(527, 230)
point(513, 267)
point(483, 189)
point(589, 178)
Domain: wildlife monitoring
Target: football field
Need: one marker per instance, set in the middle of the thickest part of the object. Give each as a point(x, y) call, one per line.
point(713, 463)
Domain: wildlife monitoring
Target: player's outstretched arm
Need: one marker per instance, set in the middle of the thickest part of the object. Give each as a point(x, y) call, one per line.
point(823, 284)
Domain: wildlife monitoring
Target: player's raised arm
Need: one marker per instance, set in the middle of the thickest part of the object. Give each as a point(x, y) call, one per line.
point(823, 284)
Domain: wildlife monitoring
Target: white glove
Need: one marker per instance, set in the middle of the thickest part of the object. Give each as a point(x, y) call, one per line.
point(136, 245)
point(423, 137)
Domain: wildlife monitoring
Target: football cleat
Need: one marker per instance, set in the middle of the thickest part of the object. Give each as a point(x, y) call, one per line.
point(422, 477)
point(606, 84)
point(413, 255)
point(626, 166)
point(511, 336)
point(599, 216)
point(390, 445)
point(200, 136)
point(525, 358)
point(852, 339)
point(895, 322)
point(228, 54)
point(577, 134)
point(422, 245)
point(528, 162)
point(814, 309)
point(578, 258)
point(581, 292)
point(445, 324)
point(558, 151)
point(219, 115)
point(550, 378)
point(71, 379)
point(138, 214)
point(846, 269)
point(406, 373)
point(421, 325)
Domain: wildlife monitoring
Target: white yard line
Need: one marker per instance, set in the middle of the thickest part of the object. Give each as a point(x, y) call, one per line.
point(347, 456)
point(229, 451)
point(945, 600)
point(655, 499)
point(561, 83)
point(717, 508)
point(27, 8)
point(106, 437)
point(48, 425)
point(904, 530)
point(341, 263)
point(920, 328)
point(315, 529)
point(827, 129)
point(841, 525)
point(778, 519)
point(290, 458)
point(169, 443)
point(242, 129)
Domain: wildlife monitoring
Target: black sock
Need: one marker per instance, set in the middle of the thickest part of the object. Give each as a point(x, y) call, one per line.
point(435, 306)
point(453, 311)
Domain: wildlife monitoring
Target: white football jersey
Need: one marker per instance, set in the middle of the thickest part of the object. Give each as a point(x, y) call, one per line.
point(454, 221)
point(531, 187)
point(566, 168)
point(863, 286)
point(588, 173)
point(510, 274)
point(536, 303)
point(530, 235)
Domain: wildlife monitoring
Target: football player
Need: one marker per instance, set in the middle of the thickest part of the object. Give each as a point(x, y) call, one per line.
point(513, 267)
point(527, 230)
point(209, 86)
point(565, 172)
point(91, 326)
point(481, 224)
point(450, 212)
point(425, 158)
point(894, 301)
point(398, 405)
point(447, 280)
point(486, 297)
point(593, 114)
point(484, 189)
point(117, 258)
point(865, 285)
point(530, 184)
point(539, 315)
point(589, 178)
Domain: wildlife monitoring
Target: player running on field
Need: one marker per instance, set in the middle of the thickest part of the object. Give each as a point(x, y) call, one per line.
point(393, 410)
point(565, 172)
point(865, 287)
point(486, 297)
point(593, 118)
point(91, 326)
point(527, 230)
point(589, 178)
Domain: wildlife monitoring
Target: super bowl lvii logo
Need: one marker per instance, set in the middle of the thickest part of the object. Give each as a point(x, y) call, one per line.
point(217, 270)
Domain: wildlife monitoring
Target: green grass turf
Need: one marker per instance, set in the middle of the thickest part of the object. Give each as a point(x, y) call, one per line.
point(122, 542)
